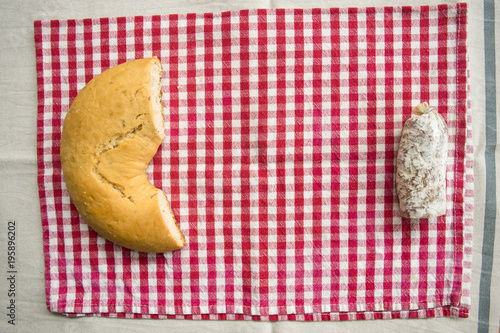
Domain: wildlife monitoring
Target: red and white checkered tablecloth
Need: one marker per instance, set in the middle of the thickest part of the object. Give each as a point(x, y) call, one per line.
point(282, 129)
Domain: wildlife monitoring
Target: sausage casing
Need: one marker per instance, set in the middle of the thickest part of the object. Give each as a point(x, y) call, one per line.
point(421, 164)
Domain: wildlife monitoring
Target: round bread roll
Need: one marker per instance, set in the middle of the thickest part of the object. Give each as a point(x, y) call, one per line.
point(110, 134)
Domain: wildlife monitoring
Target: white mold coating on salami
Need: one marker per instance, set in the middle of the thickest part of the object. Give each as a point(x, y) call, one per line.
point(421, 165)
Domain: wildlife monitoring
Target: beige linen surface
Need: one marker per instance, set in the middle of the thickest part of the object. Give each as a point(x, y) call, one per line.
point(18, 169)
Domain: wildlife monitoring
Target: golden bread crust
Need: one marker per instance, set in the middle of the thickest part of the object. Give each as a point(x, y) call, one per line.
point(108, 139)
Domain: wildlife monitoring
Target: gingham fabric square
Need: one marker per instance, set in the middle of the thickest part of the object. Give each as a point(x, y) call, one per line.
point(282, 127)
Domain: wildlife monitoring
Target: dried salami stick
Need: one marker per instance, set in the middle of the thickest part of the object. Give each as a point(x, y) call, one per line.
point(421, 164)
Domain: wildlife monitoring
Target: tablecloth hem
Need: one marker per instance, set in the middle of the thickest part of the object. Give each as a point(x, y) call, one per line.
point(445, 311)
point(423, 311)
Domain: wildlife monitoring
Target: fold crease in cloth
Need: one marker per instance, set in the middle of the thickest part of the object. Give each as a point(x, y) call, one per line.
point(282, 127)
